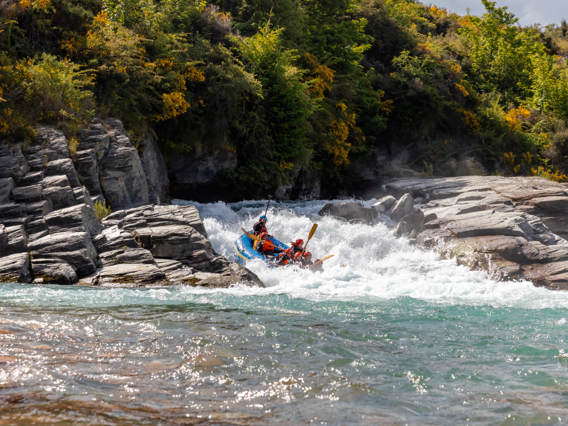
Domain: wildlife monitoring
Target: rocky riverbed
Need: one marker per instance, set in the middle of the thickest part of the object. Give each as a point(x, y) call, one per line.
point(49, 232)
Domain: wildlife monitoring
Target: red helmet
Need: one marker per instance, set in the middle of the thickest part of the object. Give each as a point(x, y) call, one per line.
point(298, 256)
point(308, 256)
point(298, 242)
point(263, 235)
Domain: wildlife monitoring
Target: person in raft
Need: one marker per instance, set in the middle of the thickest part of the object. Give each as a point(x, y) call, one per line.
point(288, 255)
point(260, 226)
point(265, 246)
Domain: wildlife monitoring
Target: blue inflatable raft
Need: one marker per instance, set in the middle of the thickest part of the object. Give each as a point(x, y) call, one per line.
point(244, 248)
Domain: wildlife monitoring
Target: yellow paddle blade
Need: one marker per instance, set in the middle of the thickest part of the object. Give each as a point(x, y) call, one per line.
point(310, 235)
point(327, 257)
point(312, 231)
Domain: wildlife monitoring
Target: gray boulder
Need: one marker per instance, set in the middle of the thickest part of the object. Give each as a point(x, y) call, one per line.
point(57, 190)
point(122, 176)
point(75, 248)
point(126, 274)
point(27, 193)
point(76, 218)
point(53, 271)
point(63, 166)
point(12, 161)
point(513, 228)
point(176, 238)
point(402, 207)
point(88, 170)
point(6, 187)
point(17, 239)
point(53, 145)
point(350, 211)
point(155, 170)
point(384, 204)
point(127, 255)
point(411, 224)
point(15, 268)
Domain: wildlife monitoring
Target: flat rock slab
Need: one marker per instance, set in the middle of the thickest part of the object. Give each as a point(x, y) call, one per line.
point(131, 274)
point(514, 228)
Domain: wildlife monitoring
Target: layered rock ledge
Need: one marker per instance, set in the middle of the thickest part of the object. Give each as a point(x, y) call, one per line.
point(49, 232)
point(515, 228)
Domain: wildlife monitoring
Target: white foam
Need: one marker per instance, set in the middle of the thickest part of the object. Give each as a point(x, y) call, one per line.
point(369, 261)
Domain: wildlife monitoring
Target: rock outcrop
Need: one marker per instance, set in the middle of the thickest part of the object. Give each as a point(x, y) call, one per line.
point(49, 232)
point(514, 228)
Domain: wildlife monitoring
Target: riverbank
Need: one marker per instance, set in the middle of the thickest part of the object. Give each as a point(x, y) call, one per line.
point(49, 232)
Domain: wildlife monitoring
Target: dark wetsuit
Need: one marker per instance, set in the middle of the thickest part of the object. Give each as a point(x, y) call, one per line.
point(259, 227)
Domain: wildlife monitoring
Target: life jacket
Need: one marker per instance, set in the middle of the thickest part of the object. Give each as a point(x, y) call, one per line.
point(266, 245)
point(285, 257)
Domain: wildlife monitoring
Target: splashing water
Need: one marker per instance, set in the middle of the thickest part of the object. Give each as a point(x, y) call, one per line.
point(387, 333)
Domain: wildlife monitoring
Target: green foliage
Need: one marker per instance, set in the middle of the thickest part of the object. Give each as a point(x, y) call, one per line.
point(45, 89)
point(102, 210)
point(500, 54)
point(293, 85)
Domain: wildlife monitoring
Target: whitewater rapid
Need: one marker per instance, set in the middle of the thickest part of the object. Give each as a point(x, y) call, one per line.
point(369, 261)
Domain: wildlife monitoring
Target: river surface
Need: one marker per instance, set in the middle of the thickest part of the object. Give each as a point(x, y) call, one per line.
point(387, 334)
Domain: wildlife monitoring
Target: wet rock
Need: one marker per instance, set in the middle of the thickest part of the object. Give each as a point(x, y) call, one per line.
point(127, 255)
point(122, 176)
point(53, 144)
point(76, 218)
point(514, 228)
point(38, 208)
point(402, 207)
point(176, 235)
point(31, 178)
point(27, 193)
point(53, 271)
point(6, 187)
point(3, 239)
point(63, 166)
point(155, 170)
point(125, 274)
point(88, 170)
point(114, 238)
point(96, 138)
point(384, 204)
point(57, 190)
point(75, 248)
point(12, 162)
point(17, 239)
point(15, 268)
point(10, 211)
point(411, 224)
point(351, 211)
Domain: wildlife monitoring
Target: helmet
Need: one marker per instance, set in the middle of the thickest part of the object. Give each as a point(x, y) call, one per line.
point(263, 235)
point(298, 242)
point(298, 256)
point(307, 256)
point(263, 217)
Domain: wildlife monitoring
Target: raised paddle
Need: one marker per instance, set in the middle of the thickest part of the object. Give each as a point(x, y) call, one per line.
point(251, 236)
point(310, 235)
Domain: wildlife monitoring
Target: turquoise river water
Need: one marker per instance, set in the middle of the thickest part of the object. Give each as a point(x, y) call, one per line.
point(387, 334)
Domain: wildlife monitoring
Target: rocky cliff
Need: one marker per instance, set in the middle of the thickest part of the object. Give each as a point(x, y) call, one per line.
point(514, 228)
point(49, 232)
